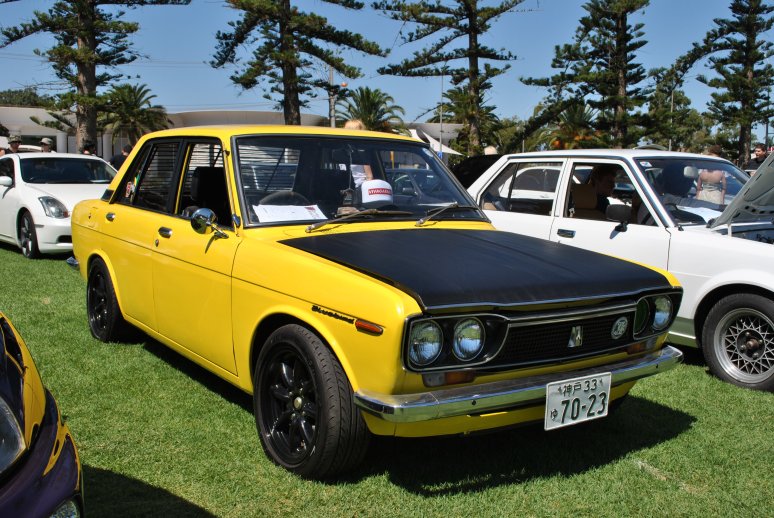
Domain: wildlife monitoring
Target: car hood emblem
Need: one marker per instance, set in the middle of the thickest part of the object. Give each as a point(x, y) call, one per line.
point(576, 337)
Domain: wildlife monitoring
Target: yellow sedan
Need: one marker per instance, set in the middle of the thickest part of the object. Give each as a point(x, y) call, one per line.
point(349, 283)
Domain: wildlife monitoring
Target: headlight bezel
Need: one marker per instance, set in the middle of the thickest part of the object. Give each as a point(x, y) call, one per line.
point(14, 444)
point(646, 314)
point(493, 330)
point(53, 208)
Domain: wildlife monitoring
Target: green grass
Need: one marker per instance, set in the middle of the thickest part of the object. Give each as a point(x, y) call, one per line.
point(160, 436)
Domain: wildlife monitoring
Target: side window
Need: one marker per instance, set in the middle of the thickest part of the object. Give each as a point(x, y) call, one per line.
point(526, 187)
point(204, 183)
point(595, 186)
point(150, 186)
point(6, 168)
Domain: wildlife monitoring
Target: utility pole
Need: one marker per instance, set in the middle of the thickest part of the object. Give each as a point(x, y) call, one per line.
point(671, 120)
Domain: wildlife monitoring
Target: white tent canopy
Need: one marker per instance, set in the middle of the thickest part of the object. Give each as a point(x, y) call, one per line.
point(434, 144)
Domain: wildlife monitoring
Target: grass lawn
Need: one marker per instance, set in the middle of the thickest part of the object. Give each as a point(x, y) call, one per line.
point(160, 436)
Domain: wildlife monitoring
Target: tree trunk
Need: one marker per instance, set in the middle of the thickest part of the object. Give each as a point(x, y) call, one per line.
point(474, 88)
point(619, 124)
point(290, 104)
point(86, 109)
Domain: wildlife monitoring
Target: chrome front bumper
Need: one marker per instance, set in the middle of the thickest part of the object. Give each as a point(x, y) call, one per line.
point(503, 395)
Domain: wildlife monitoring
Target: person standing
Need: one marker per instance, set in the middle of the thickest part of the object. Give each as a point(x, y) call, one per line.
point(755, 162)
point(88, 148)
point(118, 159)
point(45, 145)
point(14, 141)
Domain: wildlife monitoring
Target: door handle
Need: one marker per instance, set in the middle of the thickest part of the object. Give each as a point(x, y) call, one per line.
point(562, 232)
point(110, 216)
point(165, 232)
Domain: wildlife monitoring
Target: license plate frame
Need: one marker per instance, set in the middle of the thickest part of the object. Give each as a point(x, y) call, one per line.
point(577, 400)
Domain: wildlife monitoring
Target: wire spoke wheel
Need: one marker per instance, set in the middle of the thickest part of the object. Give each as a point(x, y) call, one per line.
point(738, 340)
point(746, 337)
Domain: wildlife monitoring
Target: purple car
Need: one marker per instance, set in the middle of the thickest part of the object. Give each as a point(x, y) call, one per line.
point(40, 472)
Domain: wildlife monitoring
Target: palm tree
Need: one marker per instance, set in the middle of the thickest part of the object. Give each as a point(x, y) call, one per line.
point(128, 111)
point(459, 108)
point(374, 108)
point(574, 129)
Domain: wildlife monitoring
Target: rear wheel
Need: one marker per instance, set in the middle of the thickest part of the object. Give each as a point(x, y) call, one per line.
point(738, 341)
point(105, 320)
point(28, 238)
point(304, 409)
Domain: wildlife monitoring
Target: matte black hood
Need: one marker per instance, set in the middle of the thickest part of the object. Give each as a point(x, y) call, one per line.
point(487, 268)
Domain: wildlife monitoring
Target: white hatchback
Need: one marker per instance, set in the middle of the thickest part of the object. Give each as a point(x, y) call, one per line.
point(655, 216)
point(37, 194)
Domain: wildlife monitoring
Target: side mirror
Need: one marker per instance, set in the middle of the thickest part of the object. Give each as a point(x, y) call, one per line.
point(6, 181)
point(204, 222)
point(620, 213)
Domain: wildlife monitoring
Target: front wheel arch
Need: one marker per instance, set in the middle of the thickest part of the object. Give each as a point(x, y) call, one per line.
point(714, 296)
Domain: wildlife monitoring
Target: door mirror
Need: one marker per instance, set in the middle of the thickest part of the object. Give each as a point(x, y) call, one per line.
point(203, 221)
point(620, 213)
point(6, 181)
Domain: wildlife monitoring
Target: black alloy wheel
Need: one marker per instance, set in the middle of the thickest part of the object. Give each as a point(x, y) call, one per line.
point(28, 238)
point(105, 320)
point(303, 406)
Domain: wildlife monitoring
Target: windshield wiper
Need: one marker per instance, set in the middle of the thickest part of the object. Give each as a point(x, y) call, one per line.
point(356, 215)
point(432, 213)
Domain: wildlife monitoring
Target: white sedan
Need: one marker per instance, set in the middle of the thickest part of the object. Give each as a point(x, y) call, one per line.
point(37, 194)
point(717, 243)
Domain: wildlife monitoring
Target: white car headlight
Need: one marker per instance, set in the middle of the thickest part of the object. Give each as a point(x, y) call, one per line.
point(53, 207)
point(468, 339)
point(662, 312)
point(12, 444)
point(425, 343)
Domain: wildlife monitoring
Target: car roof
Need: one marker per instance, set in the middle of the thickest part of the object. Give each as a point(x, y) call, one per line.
point(228, 130)
point(613, 153)
point(66, 156)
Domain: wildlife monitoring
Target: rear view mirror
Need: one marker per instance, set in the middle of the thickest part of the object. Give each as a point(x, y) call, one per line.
point(690, 172)
point(620, 213)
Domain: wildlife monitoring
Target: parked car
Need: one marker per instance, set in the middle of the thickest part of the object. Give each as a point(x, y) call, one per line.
point(40, 472)
point(37, 194)
point(728, 307)
point(348, 309)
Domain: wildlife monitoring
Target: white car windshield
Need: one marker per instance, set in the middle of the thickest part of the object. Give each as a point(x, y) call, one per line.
point(292, 179)
point(65, 170)
point(693, 190)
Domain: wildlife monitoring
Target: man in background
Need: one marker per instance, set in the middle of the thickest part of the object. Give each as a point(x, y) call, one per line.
point(45, 145)
point(118, 159)
point(755, 162)
point(14, 141)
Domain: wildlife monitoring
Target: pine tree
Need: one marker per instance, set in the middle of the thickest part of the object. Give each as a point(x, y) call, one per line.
point(289, 43)
point(448, 22)
point(738, 50)
point(88, 38)
point(598, 68)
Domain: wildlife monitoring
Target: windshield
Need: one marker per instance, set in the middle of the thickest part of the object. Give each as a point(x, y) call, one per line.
point(290, 179)
point(693, 190)
point(65, 170)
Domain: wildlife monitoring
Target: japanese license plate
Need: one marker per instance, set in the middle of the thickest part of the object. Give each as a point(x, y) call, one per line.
point(576, 400)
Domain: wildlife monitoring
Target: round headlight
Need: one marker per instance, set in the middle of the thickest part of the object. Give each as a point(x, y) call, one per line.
point(662, 312)
point(425, 343)
point(641, 316)
point(468, 339)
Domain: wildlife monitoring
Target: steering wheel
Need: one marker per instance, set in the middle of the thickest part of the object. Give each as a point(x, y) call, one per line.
point(284, 198)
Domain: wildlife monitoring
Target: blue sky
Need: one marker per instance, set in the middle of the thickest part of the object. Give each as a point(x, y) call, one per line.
point(179, 41)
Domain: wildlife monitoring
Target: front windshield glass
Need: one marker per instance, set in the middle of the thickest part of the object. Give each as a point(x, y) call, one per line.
point(294, 179)
point(65, 170)
point(693, 190)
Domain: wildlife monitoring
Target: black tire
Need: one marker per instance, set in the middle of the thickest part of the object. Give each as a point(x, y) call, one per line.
point(28, 238)
point(738, 341)
point(106, 322)
point(303, 405)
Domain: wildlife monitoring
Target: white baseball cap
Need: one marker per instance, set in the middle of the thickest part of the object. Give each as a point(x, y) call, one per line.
point(375, 193)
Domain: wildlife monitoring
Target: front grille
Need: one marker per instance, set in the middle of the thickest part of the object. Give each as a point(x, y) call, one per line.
point(547, 342)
